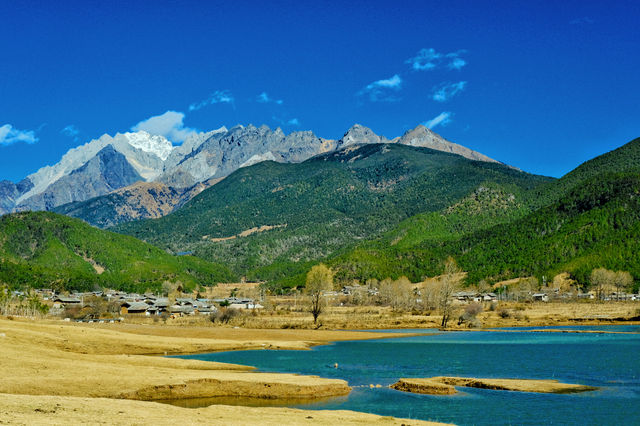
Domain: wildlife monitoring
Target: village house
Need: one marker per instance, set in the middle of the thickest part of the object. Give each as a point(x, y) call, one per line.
point(248, 305)
point(489, 297)
point(128, 308)
point(466, 296)
point(66, 301)
point(540, 297)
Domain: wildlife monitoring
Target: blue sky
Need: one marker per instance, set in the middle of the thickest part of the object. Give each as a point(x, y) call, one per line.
point(541, 85)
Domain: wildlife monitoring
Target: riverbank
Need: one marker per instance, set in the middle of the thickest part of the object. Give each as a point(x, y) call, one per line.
point(284, 315)
point(26, 409)
point(108, 363)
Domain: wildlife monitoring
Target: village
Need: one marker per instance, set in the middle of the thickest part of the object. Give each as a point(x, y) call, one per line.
point(225, 300)
point(148, 304)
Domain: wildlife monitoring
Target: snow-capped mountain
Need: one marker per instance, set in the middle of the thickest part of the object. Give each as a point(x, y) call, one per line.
point(112, 162)
point(144, 152)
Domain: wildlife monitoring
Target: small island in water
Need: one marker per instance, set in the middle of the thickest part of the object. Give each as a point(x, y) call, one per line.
point(443, 385)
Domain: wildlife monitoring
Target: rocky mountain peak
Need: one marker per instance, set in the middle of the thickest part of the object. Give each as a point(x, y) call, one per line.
point(202, 156)
point(359, 134)
point(158, 145)
point(426, 138)
point(421, 136)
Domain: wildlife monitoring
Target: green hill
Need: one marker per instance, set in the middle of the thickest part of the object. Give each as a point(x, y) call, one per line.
point(623, 159)
point(591, 220)
point(49, 250)
point(271, 221)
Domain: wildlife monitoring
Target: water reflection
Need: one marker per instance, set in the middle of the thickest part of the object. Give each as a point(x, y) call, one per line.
point(252, 402)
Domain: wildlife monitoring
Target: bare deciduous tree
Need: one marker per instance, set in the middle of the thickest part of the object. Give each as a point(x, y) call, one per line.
point(483, 287)
point(601, 280)
point(398, 294)
point(449, 284)
point(622, 280)
point(319, 279)
point(563, 282)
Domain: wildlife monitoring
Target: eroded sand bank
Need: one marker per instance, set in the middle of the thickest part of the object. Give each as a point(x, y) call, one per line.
point(443, 385)
point(37, 410)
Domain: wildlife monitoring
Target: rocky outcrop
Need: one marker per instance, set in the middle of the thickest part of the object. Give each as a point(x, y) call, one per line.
point(420, 136)
point(425, 138)
point(142, 200)
point(10, 192)
point(221, 153)
point(358, 135)
point(107, 171)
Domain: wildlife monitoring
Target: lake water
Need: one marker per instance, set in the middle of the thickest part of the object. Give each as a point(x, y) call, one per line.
point(608, 361)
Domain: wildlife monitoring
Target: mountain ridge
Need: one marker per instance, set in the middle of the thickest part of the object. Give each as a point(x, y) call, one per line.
point(316, 208)
point(585, 220)
point(201, 157)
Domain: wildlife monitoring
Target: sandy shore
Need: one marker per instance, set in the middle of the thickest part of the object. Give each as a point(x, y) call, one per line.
point(32, 410)
point(446, 385)
point(58, 358)
point(107, 362)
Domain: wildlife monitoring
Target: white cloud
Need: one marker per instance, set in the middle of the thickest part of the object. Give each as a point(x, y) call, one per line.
point(264, 98)
point(9, 135)
point(294, 122)
point(217, 97)
point(380, 90)
point(72, 131)
point(446, 91)
point(457, 63)
point(442, 119)
point(425, 59)
point(429, 59)
point(170, 125)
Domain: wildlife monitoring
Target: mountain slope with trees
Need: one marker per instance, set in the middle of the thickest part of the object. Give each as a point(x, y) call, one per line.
point(49, 250)
point(272, 221)
point(591, 220)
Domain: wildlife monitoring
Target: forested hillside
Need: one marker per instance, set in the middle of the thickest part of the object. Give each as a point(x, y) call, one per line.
point(272, 221)
point(591, 220)
point(49, 250)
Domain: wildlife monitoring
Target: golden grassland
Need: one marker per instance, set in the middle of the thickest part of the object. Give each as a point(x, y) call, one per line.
point(32, 410)
point(58, 372)
point(109, 363)
point(285, 313)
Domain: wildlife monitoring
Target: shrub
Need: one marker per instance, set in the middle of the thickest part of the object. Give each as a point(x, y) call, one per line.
point(474, 323)
point(504, 313)
point(223, 315)
point(470, 315)
point(473, 309)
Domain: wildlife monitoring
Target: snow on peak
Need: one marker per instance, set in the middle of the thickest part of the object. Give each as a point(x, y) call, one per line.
point(158, 145)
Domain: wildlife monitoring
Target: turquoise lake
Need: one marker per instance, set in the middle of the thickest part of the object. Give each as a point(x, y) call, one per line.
point(608, 361)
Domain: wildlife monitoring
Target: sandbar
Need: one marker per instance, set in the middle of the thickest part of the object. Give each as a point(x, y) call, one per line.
point(443, 385)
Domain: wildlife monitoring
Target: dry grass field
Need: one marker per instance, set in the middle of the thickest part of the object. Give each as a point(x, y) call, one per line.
point(110, 363)
point(49, 410)
point(57, 372)
point(286, 313)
